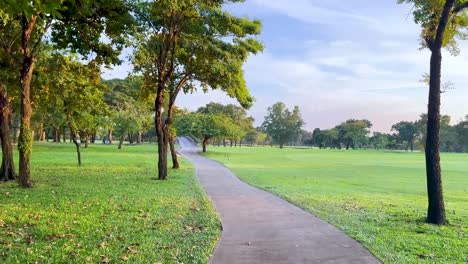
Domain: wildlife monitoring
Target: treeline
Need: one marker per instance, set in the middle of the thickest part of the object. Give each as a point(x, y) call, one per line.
point(229, 125)
point(406, 135)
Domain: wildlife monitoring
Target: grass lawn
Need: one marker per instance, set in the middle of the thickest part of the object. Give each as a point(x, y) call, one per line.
point(377, 197)
point(110, 210)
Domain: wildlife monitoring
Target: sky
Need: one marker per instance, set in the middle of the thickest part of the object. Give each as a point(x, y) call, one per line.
point(337, 60)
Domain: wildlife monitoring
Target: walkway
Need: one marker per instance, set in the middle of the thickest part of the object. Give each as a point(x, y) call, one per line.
point(259, 227)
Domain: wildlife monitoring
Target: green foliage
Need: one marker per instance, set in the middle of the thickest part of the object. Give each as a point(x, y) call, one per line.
point(188, 44)
point(428, 13)
point(281, 124)
point(109, 208)
point(377, 197)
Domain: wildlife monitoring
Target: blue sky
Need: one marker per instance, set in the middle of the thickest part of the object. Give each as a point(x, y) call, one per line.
point(337, 60)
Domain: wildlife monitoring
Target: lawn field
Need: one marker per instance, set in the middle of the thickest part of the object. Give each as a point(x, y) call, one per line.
point(110, 210)
point(377, 197)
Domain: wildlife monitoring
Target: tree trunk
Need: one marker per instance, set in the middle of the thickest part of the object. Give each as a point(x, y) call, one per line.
point(281, 145)
point(86, 139)
point(7, 172)
point(436, 208)
point(205, 143)
point(27, 68)
point(64, 135)
point(109, 136)
point(161, 137)
point(121, 141)
point(224, 142)
point(77, 143)
point(175, 161)
point(139, 137)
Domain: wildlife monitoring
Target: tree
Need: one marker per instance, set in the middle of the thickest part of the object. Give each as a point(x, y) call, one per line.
point(354, 132)
point(407, 131)
point(203, 125)
point(72, 91)
point(73, 26)
point(185, 43)
point(281, 124)
point(442, 23)
point(379, 140)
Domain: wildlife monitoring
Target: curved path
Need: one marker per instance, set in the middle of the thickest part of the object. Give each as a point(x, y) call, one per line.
point(259, 227)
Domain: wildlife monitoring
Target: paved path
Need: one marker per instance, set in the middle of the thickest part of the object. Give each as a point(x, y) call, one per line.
point(259, 227)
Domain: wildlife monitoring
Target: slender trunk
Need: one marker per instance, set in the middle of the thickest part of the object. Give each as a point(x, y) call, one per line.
point(161, 137)
point(175, 161)
point(64, 135)
point(240, 143)
point(27, 68)
point(224, 142)
point(121, 141)
point(77, 143)
point(231, 142)
point(7, 171)
point(235, 143)
point(139, 137)
point(205, 143)
point(109, 136)
point(86, 139)
point(436, 208)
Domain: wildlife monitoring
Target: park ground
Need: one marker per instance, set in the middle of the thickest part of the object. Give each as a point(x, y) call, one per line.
point(377, 197)
point(110, 210)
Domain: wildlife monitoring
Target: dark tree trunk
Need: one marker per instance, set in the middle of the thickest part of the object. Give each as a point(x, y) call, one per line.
point(64, 134)
point(205, 143)
point(240, 143)
point(27, 68)
point(121, 141)
point(235, 143)
point(109, 136)
point(56, 135)
point(281, 145)
point(436, 208)
point(7, 171)
point(161, 136)
point(224, 142)
point(75, 137)
point(231, 142)
point(175, 161)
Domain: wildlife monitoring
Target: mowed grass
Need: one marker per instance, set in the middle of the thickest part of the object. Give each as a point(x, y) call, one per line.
point(110, 210)
point(377, 197)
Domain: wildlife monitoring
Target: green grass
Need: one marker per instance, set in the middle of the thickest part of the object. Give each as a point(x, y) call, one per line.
point(109, 210)
point(379, 198)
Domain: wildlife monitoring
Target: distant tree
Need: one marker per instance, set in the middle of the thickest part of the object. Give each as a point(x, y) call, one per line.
point(72, 91)
point(205, 126)
point(407, 131)
point(462, 134)
point(353, 133)
point(379, 140)
point(281, 124)
point(442, 23)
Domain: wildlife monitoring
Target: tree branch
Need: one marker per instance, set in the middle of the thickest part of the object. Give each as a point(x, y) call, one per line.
point(460, 8)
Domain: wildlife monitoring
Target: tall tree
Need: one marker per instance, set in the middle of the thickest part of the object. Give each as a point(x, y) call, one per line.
point(77, 26)
point(281, 124)
point(186, 43)
point(442, 21)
